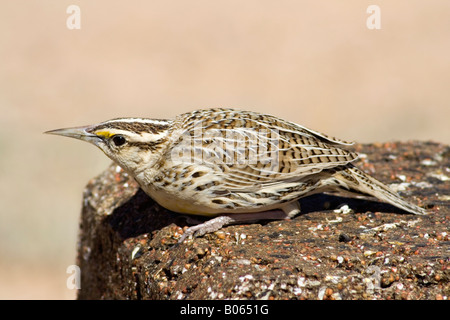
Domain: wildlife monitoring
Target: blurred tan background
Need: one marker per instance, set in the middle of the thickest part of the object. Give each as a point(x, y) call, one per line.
point(313, 62)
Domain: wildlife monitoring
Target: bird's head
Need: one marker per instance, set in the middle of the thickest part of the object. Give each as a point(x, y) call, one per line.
point(133, 143)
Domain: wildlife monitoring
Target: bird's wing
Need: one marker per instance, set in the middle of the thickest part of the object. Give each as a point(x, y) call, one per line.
point(252, 151)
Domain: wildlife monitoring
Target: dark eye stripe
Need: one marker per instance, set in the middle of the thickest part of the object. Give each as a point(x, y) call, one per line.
point(150, 145)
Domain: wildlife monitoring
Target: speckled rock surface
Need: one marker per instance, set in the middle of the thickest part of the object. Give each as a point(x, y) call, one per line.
point(367, 250)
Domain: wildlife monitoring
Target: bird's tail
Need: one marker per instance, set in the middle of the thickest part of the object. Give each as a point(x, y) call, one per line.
point(352, 178)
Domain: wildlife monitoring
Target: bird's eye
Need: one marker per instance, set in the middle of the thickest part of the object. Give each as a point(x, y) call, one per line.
point(118, 140)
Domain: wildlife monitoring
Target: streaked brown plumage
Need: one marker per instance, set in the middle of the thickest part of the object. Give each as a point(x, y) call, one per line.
point(235, 164)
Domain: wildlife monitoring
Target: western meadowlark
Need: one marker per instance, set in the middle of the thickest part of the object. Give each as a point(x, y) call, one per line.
point(235, 166)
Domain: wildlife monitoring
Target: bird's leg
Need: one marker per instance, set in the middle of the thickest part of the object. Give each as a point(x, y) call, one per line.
point(291, 209)
point(285, 213)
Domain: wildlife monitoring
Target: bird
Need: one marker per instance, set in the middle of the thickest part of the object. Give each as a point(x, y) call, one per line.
point(231, 165)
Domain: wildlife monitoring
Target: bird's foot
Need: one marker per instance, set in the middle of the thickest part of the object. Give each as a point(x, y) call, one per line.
point(233, 218)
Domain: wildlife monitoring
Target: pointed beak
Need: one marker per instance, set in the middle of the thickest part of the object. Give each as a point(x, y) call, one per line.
point(80, 133)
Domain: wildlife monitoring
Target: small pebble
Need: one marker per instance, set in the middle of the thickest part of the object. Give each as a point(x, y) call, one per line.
point(344, 238)
point(220, 234)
